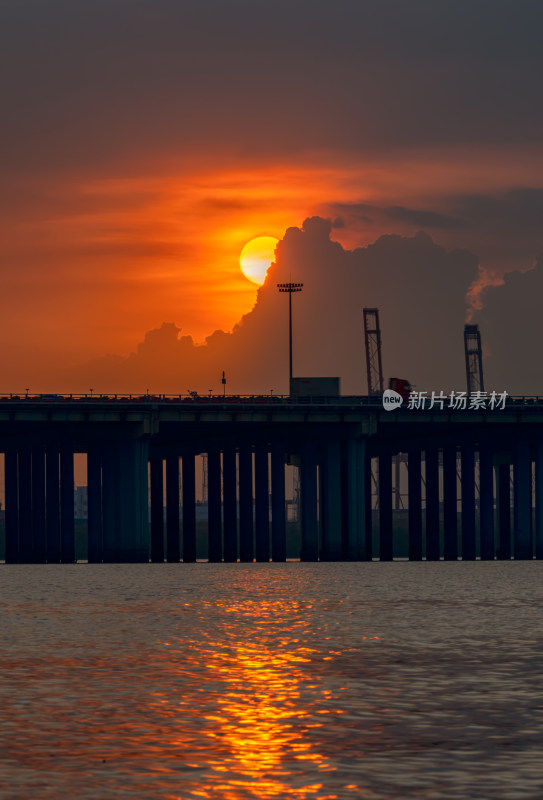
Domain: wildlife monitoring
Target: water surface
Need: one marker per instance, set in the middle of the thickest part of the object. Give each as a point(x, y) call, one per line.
point(234, 681)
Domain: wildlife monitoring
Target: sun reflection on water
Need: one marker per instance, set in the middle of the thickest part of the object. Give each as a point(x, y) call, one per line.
point(263, 713)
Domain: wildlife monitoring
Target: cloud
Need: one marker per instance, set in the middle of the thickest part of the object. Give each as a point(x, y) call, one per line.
point(119, 82)
point(421, 218)
point(511, 329)
point(378, 215)
point(419, 287)
point(503, 228)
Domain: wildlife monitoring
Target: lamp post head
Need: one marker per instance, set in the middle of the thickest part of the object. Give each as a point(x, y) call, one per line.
point(290, 287)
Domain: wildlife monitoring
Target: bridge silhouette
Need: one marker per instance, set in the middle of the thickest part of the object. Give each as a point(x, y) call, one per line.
point(481, 471)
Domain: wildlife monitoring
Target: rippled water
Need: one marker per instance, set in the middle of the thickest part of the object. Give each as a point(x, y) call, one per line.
point(398, 680)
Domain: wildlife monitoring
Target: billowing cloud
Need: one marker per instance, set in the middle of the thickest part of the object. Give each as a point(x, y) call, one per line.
point(512, 329)
point(143, 144)
point(503, 228)
point(419, 287)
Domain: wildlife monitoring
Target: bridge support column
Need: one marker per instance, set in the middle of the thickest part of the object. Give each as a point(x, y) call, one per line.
point(332, 549)
point(38, 505)
point(230, 504)
point(279, 529)
point(468, 502)
point(109, 502)
point(246, 522)
point(173, 549)
point(385, 506)
point(214, 521)
point(67, 523)
point(432, 504)
point(52, 504)
point(125, 506)
point(262, 504)
point(308, 489)
point(189, 507)
point(504, 510)
point(157, 509)
point(486, 502)
point(356, 462)
point(12, 506)
point(26, 550)
point(539, 499)
point(450, 512)
point(415, 501)
point(522, 492)
point(368, 510)
point(95, 553)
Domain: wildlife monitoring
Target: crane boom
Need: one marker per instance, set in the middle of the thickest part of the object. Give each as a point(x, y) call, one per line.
point(374, 364)
point(474, 358)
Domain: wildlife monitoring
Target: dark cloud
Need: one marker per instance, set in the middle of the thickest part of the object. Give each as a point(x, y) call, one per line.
point(520, 210)
point(505, 228)
point(425, 219)
point(98, 83)
point(419, 287)
point(512, 328)
point(412, 217)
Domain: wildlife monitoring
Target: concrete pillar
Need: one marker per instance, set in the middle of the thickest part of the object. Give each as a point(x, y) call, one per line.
point(189, 507)
point(368, 510)
point(173, 550)
point(332, 549)
point(52, 504)
point(450, 513)
point(134, 501)
point(157, 509)
point(246, 526)
point(262, 504)
point(214, 521)
point(142, 508)
point(385, 507)
point(522, 493)
point(432, 503)
point(110, 490)
point(67, 525)
point(12, 506)
point(95, 552)
point(504, 510)
point(539, 499)
point(38, 505)
point(230, 504)
point(486, 502)
point(125, 503)
point(308, 492)
point(415, 503)
point(279, 522)
point(26, 550)
point(468, 502)
point(356, 538)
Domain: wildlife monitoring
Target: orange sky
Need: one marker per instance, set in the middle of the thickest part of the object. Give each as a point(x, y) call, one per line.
point(102, 260)
point(144, 143)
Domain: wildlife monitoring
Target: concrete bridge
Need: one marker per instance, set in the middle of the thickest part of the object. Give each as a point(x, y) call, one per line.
point(474, 477)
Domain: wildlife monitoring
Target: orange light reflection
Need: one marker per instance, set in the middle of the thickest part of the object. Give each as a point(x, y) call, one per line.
point(262, 716)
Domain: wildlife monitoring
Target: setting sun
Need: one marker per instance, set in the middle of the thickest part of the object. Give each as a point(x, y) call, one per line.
point(256, 257)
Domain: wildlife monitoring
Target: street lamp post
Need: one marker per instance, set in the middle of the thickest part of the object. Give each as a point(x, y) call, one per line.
point(290, 288)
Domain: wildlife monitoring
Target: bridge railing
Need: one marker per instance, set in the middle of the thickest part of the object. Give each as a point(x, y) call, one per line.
point(520, 401)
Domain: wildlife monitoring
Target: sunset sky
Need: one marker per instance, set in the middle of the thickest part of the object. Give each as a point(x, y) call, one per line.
point(145, 142)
